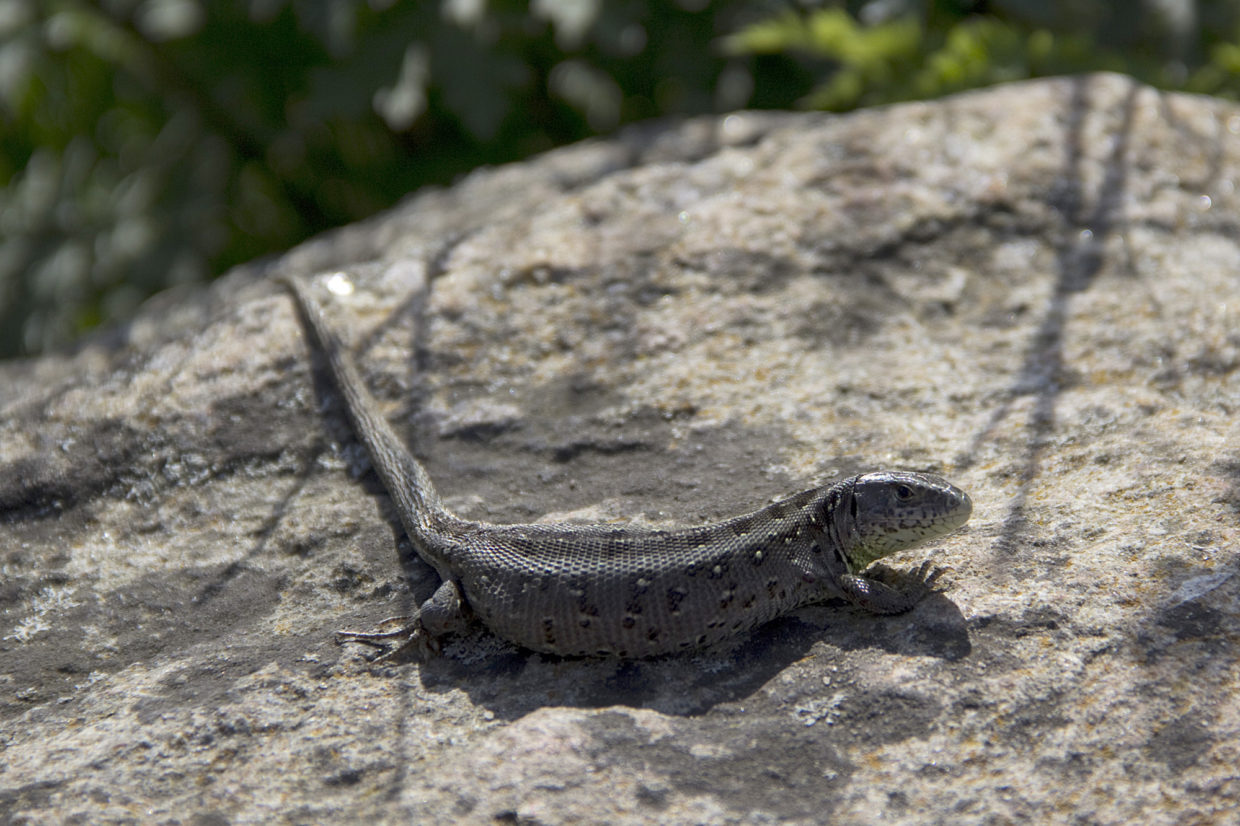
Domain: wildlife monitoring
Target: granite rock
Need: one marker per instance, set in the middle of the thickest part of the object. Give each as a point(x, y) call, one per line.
point(1033, 290)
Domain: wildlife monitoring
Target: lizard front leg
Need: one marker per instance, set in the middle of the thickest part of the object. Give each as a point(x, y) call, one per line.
point(879, 598)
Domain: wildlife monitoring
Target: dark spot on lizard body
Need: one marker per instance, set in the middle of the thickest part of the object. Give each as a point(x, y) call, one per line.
point(675, 596)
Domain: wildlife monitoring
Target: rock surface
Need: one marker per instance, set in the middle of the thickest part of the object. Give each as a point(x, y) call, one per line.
point(1032, 290)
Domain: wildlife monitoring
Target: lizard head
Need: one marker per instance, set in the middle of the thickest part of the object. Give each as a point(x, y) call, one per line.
point(889, 511)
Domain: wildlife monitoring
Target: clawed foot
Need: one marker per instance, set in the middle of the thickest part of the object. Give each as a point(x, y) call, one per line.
point(398, 627)
point(926, 579)
point(402, 637)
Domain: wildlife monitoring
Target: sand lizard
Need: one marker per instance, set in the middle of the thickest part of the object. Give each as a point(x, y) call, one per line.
point(628, 591)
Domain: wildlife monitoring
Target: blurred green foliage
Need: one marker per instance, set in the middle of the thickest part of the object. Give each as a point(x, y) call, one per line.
point(893, 50)
point(150, 143)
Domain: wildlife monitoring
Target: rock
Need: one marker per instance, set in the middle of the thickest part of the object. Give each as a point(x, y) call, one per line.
point(1030, 289)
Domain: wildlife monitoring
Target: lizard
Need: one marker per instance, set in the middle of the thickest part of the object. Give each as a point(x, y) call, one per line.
point(630, 591)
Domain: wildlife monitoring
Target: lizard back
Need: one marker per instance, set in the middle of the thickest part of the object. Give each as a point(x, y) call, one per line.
point(635, 592)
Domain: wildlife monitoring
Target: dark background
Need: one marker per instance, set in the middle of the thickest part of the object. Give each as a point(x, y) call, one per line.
point(146, 144)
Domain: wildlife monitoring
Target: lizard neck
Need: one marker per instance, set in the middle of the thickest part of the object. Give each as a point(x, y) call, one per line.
point(841, 527)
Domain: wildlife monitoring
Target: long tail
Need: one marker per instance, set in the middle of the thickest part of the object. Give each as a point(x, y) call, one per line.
point(404, 477)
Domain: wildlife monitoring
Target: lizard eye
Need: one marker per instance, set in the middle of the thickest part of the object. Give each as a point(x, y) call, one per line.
point(904, 492)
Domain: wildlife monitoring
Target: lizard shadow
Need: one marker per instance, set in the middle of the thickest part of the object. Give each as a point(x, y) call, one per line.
point(511, 682)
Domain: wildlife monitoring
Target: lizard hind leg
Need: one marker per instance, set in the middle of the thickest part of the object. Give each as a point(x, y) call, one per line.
point(418, 635)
